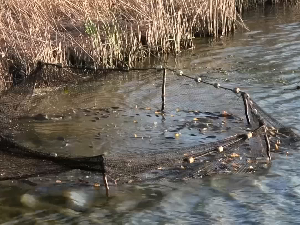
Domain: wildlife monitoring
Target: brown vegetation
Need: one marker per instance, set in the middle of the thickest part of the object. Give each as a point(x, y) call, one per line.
point(109, 33)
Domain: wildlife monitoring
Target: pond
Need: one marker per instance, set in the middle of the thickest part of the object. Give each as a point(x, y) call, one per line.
point(91, 119)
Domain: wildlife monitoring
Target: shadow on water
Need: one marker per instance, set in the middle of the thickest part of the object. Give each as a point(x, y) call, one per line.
point(114, 115)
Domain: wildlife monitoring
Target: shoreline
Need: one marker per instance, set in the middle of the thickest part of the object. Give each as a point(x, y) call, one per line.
point(107, 33)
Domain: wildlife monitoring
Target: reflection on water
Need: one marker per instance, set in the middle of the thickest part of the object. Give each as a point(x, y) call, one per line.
point(263, 62)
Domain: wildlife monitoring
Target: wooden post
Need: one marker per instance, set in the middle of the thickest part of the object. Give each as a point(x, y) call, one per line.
point(105, 184)
point(104, 177)
point(268, 146)
point(163, 93)
point(245, 100)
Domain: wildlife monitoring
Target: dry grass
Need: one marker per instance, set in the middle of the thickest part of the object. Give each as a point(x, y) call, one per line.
point(109, 33)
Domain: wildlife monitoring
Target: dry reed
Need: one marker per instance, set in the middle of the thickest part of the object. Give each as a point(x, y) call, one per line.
point(109, 33)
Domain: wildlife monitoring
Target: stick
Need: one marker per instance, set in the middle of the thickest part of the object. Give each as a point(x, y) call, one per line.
point(163, 94)
point(105, 184)
point(245, 100)
point(268, 144)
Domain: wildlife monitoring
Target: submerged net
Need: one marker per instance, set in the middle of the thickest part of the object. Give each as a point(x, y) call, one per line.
point(247, 148)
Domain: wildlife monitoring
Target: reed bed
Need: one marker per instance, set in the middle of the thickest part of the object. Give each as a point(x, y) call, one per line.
point(109, 33)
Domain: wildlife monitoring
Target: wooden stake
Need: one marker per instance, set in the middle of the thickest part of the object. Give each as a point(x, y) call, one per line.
point(105, 184)
point(268, 150)
point(245, 100)
point(163, 94)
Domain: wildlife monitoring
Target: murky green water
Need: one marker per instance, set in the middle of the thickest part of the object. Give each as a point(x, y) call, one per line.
point(97, 118)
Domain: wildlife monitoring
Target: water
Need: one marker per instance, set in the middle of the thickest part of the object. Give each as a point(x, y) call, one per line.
point(263, 62)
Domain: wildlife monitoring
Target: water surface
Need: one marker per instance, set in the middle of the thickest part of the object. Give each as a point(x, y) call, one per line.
point(264, 62)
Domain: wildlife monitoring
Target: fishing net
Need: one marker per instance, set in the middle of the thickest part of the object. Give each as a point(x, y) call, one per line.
point(247, 134)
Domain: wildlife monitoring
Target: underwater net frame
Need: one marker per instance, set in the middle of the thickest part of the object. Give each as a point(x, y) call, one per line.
point(198, 161)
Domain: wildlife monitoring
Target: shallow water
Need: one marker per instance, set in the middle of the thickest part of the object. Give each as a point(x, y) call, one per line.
point(263, 62)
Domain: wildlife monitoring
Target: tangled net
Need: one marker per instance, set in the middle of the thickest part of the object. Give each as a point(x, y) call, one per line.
point(245, 152)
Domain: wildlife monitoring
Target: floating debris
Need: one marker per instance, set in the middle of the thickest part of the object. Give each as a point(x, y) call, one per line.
point(220, 149)
point(189, 160)
point(234, 155)
point(96, 185)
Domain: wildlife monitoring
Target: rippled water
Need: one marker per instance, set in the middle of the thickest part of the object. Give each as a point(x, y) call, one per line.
point(264, 62)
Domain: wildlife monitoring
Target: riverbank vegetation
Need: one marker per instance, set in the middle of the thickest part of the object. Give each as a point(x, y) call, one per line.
point(109, 33)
